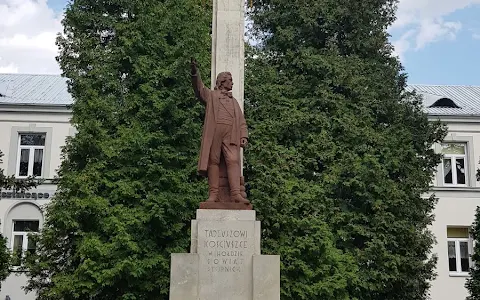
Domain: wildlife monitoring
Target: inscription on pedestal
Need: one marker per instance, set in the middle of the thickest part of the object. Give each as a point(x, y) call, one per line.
point(226, 250)
point(226, 254)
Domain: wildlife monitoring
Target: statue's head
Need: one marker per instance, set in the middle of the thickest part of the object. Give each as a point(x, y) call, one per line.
point(224, 81)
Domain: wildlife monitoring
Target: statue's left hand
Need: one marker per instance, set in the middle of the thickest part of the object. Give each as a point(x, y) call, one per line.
point(243, 142)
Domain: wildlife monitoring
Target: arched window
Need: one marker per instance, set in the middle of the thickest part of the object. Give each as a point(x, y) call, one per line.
point(22, 220)
point(445, 102)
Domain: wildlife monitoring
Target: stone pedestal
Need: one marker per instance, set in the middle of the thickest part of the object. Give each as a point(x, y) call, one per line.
point(225, 262)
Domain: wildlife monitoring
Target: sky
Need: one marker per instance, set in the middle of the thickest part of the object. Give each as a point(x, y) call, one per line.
point(436, 40)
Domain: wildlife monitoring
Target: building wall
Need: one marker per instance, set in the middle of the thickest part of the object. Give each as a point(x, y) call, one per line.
point(55, 123)
point(455, 208)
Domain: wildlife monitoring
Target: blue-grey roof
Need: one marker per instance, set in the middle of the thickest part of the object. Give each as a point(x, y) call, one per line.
point(34, 90)
point(466, 97)
point(26, 89)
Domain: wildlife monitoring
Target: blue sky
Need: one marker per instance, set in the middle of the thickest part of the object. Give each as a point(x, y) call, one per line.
point(436, 40)
point(57, 5)
point(447, 50)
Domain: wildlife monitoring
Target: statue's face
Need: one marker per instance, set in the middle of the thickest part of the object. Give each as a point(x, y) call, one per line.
point(228, 83)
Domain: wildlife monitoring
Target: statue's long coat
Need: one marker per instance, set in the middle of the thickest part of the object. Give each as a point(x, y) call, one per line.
point(211, 100)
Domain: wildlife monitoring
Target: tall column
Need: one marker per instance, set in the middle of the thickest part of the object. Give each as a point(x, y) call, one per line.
point(228, 49)
point(228, 29)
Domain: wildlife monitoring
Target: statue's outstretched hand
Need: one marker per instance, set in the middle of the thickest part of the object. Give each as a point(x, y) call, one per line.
point(193, 65)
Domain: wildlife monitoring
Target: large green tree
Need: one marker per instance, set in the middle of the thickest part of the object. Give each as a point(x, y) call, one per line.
point(340, 155)
point(128, 185)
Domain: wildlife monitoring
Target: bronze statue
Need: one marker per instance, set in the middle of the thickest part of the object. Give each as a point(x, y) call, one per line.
point(224, 133)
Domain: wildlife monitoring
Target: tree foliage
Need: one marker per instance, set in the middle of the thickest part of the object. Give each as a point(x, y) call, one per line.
point(128, 185)
point(5, 259)
point(340, 154)
point(5, 262)
point(473, 282)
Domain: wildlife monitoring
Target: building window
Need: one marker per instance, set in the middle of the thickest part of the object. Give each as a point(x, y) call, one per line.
point(30, 154)
point(454, 164)
point(459, 250)
point(21, 242)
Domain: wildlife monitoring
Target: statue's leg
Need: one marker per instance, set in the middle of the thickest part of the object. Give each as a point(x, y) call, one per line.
point(232, 158)
point(213, 168)
point(213, 182)
point(223, 187)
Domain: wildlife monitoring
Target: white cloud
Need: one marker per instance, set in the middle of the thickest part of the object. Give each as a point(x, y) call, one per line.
point(10, 68)
point(434, 30)
point(28, 29)
point(416, 11)
point(476, 36)
point(425, 19)
point(403, 44)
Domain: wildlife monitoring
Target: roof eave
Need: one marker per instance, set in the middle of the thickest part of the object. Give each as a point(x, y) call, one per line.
point(5, 104)
point(35, 108)
point(470, 117)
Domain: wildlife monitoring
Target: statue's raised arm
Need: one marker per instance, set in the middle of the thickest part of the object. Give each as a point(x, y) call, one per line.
point(201, 92)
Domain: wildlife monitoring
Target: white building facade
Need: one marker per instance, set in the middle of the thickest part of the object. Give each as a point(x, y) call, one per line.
point(455, 184)
point(35, 121)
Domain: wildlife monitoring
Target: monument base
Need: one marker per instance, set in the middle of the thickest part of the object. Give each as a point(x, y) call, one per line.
point(225, 205)
point(225, 260)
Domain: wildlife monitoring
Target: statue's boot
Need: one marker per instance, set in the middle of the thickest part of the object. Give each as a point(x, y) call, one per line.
point(213, 182)
point(234, 183)
point(238, 198)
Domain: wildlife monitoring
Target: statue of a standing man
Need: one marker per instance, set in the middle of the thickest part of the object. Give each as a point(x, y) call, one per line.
point(224, 132)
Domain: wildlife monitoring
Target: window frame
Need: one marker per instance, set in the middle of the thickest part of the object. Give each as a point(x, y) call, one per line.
point(458, 261)
point(13, 150)
point(453, 159)
point(25, 235)
point(31, 155)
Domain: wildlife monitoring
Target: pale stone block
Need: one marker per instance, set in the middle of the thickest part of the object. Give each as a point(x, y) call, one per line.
point(225, 262)
point(266, 277)
point(230, 5)
point(228, 46)
point(225, 215)
point(228, 38)
point(258, 237)
point(193, 236)
point(226, 250)
point(184, 276)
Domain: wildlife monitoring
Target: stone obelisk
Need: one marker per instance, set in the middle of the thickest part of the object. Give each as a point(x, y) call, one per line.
point(228, 30)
